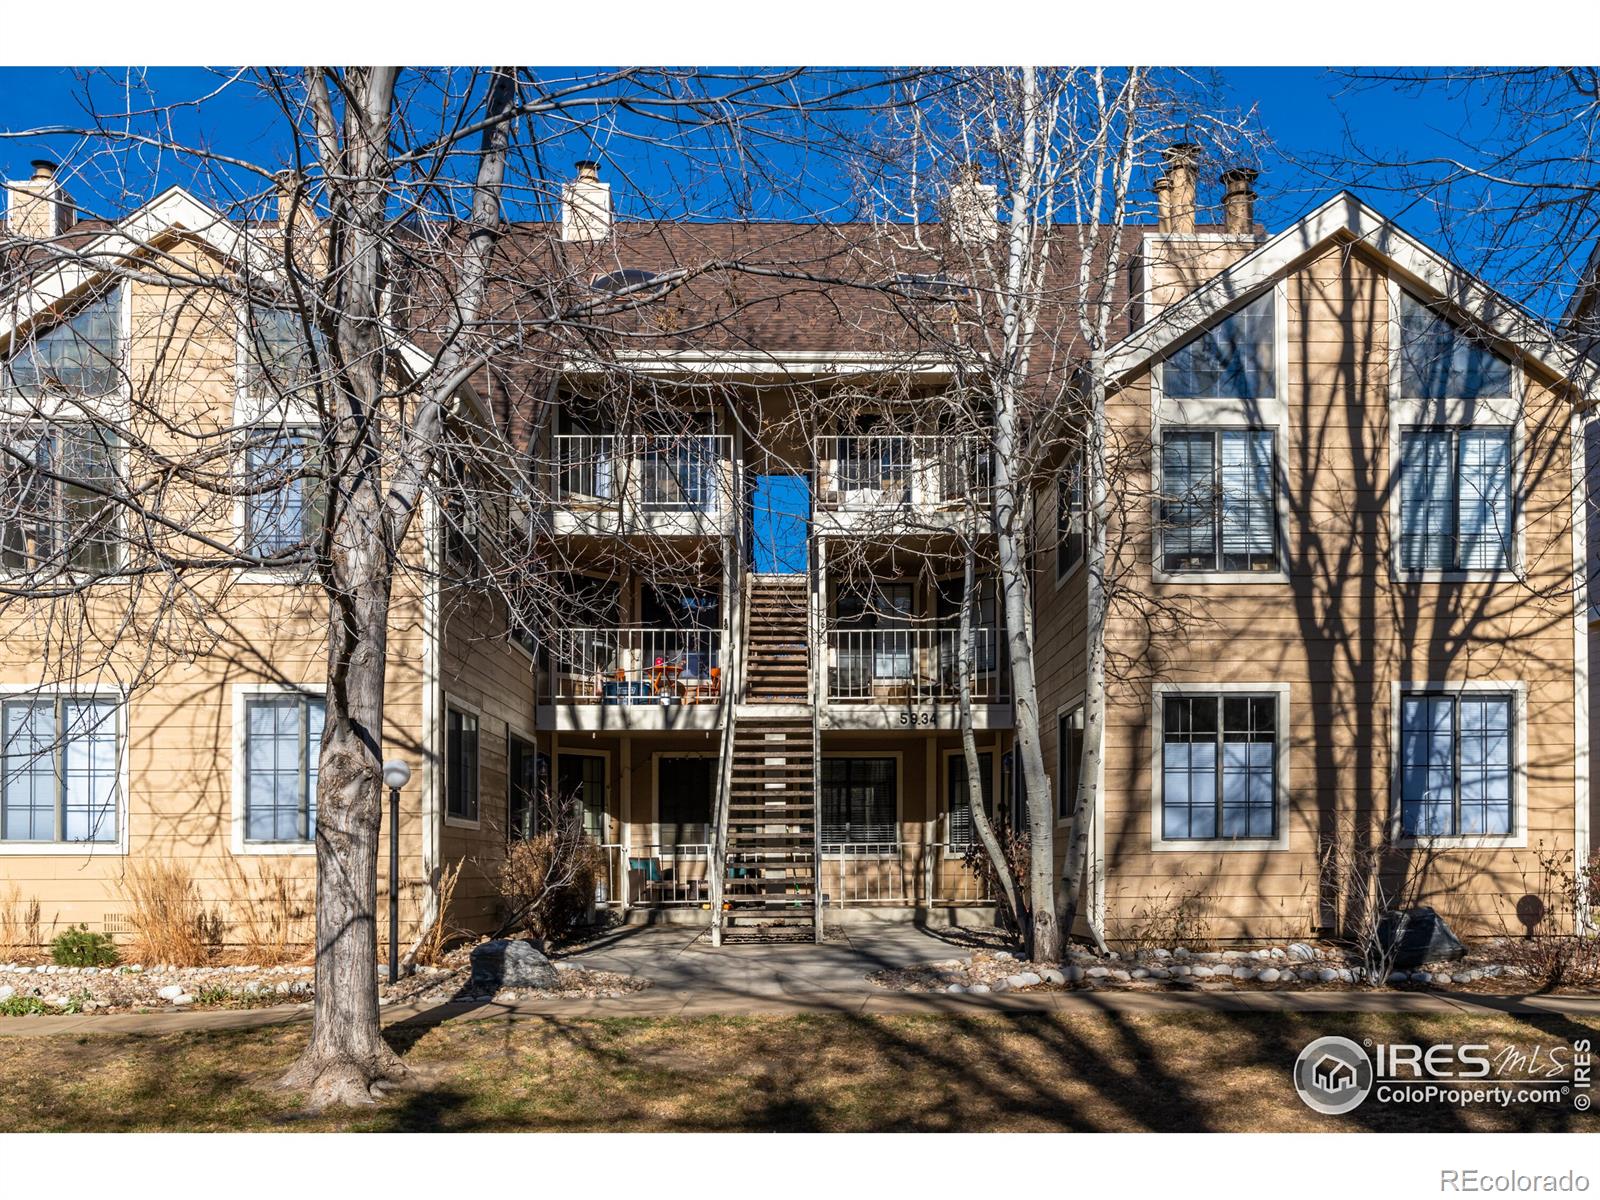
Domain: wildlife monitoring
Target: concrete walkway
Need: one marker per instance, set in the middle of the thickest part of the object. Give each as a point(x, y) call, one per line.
point(690, 979)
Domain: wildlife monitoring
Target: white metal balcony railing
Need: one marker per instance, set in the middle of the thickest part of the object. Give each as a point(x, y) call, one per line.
point(898, 873)
point(654, 473)
point(909, 470)
point(597, 665)
point(655, 876)
point(856, 874)
point(912, 665)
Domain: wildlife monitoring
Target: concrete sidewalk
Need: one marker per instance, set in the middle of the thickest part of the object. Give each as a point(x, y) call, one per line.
point(691, 979)
point(656, 1002)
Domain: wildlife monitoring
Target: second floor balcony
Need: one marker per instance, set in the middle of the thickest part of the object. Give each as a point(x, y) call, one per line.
point(663, 484)
point(879, 480)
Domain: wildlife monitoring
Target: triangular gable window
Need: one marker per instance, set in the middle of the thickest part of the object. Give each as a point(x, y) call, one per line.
point(82, 356)
point(1441, 361)
point(1233, 360)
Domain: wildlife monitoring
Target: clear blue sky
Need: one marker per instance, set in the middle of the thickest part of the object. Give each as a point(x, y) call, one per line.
point(1312, 116)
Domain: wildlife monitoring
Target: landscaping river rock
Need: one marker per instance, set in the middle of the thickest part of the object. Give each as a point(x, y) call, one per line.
point(1299, 965)
point(28, 989)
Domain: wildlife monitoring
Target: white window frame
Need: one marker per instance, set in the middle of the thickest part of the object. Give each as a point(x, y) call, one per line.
point(251, 410)
point(1079, 700)
point(263, 574)
point(559, 753)
point(242, 692)
point(899, 799)
point(1221, 845)
point(1456, 414)
point(453, 701)
point(1201, 414)
point(1518, 837)
point(108, 849)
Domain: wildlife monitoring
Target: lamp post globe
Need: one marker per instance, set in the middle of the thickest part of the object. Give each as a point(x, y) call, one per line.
point(395, 776)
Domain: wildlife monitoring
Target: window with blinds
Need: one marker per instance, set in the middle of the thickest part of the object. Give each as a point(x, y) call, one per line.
point(1219, 758)
point(858, 805)
point(1455, 764)
point(286, 499)
point(1218, 500)
point(283, 740)
point(1455, 499)
point(962, 831)
point(1233, 360)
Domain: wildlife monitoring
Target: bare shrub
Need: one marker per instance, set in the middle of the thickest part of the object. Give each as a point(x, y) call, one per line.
point(1557, 948)
point(21, 926)
point(272, 924)
point(546, 883)
point(430, 947)
point(1014, 846)
point(1176, 917)
point(1363, 876)
point(170, 925)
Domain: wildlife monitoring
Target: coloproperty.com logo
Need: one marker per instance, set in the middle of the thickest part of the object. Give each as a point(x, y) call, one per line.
point(1335, 1075)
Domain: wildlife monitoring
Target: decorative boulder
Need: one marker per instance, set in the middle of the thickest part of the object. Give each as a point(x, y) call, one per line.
point(1418, 936)
point(504, 963)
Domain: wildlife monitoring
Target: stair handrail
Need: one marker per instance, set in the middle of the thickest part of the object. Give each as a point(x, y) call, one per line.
point(733, 687)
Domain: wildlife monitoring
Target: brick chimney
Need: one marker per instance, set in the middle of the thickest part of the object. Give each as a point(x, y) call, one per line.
point(1180, 178)
point(586, 206)
point(1239, 202)
point(971, 208)
point(38, 208)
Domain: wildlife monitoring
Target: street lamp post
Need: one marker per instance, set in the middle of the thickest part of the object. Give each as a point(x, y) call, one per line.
point(395, 774)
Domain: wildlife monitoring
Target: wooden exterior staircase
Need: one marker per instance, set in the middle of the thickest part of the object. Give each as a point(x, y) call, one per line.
point(770, 879)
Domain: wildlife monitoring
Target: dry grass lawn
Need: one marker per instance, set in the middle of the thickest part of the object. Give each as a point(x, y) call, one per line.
point(1047, 1072)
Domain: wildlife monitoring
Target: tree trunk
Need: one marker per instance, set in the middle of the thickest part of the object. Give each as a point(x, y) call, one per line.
point(969, 751)
point(347, 1054)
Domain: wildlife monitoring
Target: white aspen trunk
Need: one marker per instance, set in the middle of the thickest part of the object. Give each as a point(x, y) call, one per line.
point(1045, 941)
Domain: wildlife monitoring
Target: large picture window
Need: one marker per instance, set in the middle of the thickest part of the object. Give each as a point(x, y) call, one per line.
point(1218, 500)
point(1456, 507)
point(283, 741)
point(59, 778)
point(1455, 764)
point(858, 805)
point(1233, 360)
point(1219, 764)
